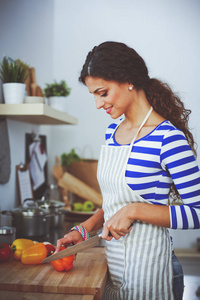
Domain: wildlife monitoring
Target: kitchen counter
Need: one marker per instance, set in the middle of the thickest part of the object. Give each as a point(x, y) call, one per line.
point(37, 287)
point(40, 296)
point(187, 253)
point(86, 281)
point(190, 262)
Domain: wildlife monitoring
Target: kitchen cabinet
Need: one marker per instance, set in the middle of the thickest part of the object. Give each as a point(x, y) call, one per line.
point(37, 113)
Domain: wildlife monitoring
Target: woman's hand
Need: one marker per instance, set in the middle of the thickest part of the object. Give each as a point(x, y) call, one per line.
point(95, 222)
point(72, 237)
point(119, 224)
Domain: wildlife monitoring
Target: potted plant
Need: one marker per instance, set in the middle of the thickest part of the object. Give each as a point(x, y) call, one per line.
point(13, 74)
point(56, 94)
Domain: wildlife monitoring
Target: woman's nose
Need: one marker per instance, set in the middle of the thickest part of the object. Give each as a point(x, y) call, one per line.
point(99, 102)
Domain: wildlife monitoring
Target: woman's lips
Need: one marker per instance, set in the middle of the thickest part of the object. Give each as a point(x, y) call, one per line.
point(108, 110)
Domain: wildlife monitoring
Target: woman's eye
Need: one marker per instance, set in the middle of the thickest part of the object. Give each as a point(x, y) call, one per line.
point(104, 94)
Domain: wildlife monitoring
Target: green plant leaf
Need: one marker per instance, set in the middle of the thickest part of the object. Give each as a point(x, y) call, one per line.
point(67, 159)
point(56, 89)
point(13, 71)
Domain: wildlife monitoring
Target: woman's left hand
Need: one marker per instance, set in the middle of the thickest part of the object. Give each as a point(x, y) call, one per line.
point(119, 224)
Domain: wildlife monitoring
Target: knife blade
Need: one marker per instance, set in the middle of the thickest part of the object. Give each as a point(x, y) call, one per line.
point(92, 242)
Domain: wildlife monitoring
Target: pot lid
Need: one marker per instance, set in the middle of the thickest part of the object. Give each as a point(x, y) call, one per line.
point(50, 203)
point(28, 211)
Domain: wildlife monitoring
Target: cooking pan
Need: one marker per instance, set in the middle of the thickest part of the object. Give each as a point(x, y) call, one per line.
point(55, 209)
point(29, 221)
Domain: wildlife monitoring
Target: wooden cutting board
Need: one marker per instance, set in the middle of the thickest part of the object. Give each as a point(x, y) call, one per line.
point(80, 188)
point(87, 277)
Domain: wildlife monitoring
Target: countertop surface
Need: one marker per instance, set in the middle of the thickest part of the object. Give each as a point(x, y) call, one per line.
point(88, 276)
point(85, 281)
point(187, 253)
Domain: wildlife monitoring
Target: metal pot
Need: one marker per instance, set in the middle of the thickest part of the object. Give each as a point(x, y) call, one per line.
point(29, 221)
point(55, 209)
point(57, 219)
point(7, 234)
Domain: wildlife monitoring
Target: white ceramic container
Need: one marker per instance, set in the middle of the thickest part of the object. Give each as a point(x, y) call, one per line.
point(59, 103)
point(14, 92)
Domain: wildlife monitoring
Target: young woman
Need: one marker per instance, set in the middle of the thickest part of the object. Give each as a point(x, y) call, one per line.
point(148, 163)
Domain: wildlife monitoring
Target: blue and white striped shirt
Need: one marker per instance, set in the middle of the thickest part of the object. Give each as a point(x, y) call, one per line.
point(156, 161)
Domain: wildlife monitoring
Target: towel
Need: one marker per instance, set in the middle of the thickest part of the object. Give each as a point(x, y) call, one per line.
point(5, 164)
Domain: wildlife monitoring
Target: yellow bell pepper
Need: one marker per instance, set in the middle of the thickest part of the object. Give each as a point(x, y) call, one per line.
point(18, 246)
point(34, 254)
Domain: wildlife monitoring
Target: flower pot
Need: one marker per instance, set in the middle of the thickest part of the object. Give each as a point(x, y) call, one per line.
point(14, 92)
point(58, 102)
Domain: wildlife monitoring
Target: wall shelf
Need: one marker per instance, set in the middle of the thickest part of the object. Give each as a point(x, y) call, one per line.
point(37, 113)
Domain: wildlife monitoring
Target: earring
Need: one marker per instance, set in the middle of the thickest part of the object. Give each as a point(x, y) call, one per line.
point(130, 88)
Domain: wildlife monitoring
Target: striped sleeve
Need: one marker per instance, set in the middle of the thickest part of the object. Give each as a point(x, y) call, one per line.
point(109, 132)
point(178, 159)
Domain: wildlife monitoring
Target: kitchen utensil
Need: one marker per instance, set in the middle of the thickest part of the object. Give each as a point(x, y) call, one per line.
point(29, 221)
point(55, 209)
point(33, 76)
point(92, 242)
point(28, 82)
point(39, 91)
point(58, 173)
point(33, 89)
point(78, 187)
point(57, 169)
point(7, 234)
point(33, 84)
point(86, 171)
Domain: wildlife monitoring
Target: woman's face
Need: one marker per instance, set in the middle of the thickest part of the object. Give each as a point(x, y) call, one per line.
point(115, 98)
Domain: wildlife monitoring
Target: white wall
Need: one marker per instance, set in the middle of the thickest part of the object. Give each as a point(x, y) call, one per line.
point(55, 37)
point(26, 32)
point(165, 33)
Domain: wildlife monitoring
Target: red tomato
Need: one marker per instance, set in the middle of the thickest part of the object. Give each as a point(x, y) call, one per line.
point(63, 264)
point(50, 249)
point(5, 252)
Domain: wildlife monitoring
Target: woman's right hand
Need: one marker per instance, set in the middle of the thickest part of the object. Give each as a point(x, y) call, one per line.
point(69, 238)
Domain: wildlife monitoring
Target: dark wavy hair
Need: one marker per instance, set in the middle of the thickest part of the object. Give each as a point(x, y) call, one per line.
point(120, 63)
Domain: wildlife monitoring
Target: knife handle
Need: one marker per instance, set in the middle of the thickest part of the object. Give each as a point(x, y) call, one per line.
point(110, 234)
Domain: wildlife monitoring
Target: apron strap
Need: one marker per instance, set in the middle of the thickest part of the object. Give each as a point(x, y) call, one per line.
point(143, 122)
point(133, 140)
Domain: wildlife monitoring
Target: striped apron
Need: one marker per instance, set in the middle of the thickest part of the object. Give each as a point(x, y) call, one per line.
point(139, 264)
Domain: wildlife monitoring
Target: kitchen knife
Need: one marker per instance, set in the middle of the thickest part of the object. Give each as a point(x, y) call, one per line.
point(92, 242)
